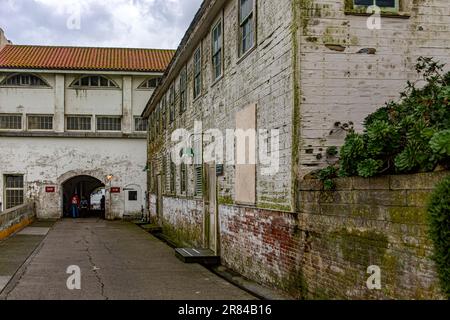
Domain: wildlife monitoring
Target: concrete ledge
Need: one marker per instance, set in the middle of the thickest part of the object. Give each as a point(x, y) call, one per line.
point(94, 135)
point(15, 219)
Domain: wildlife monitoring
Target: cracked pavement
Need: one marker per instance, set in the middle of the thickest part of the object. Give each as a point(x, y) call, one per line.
point(118, 260)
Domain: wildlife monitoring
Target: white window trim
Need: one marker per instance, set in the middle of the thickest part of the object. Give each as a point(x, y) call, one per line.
point(222, 69)
point(78, 116)
point(3, 85)
point(40, 115)
point(243, 55)
point(81, 87)
point(198, 49)
point(109, 116)
point(22, 124)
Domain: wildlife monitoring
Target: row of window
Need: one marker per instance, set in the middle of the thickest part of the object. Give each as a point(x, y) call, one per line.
point(73, 123)
point(166, 110)
point(31, 80)
point(170, 172)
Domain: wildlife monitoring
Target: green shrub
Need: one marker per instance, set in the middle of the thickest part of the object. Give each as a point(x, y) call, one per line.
point(439, 220)
point(326, 176)
point(440, 143)
point(369, 167)
point(407, 136)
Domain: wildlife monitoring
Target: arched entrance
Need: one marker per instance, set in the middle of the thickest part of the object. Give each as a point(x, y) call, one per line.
point(90, 190)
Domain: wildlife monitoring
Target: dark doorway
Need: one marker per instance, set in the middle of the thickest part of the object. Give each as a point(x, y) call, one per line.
point(91, 193)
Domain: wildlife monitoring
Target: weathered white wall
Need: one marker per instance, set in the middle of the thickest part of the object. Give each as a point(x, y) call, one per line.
point(345, 86)
point(28, 101)
point(49, 161)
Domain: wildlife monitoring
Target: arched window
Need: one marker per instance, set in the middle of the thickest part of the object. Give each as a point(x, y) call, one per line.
point(150, 83)
point(94, 82)
point(23, 80)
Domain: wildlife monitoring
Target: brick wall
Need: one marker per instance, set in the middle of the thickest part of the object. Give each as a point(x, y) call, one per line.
point(16, 218)
point(324, 251)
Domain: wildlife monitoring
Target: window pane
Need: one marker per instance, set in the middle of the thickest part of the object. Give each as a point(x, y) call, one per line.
point(85, 81)
point(13, 191)
point(246, 9)
point(79, 123)
point(140, 124)
point(386, 3)
point(94, 81)
point(132, 195)
point(13, 122)
point(109, 124)
point(40, 122)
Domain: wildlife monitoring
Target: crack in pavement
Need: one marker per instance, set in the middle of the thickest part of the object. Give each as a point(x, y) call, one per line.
point(95, 268)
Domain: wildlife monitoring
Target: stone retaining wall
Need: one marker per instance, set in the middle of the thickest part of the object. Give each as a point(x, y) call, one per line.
point(16, 218)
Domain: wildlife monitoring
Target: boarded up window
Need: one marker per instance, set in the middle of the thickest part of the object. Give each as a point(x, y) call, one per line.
point(245, 187)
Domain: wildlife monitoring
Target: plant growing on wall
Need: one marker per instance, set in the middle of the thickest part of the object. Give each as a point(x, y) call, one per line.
point(439, 220)
point(412, 135)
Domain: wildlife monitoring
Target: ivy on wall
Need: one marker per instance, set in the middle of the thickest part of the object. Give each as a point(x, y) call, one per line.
point(439, 220)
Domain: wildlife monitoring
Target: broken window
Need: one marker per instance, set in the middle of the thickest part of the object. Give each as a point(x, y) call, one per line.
point(95, 82)
point(40, 122)
point(217, 50)
point(23, 80)
point(109, 124)
point(78, 123)
point(10, 122)
point(246, 25)
point(13, 191)
point(197, 72)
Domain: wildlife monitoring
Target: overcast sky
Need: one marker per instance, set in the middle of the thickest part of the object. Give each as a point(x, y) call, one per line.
point(110, 23)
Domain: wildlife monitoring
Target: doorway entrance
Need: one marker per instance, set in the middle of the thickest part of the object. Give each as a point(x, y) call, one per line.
point(92, 195)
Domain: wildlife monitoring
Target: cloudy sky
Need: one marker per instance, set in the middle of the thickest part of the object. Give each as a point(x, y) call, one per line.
point(111, 23)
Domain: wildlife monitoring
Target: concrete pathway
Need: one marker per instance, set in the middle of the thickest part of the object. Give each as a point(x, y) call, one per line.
point(118, 260)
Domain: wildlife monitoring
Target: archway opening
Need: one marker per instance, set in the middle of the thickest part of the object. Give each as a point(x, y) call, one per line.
point(91, 193)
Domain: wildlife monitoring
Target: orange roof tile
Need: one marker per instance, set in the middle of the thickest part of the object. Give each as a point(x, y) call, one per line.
point(84, 58)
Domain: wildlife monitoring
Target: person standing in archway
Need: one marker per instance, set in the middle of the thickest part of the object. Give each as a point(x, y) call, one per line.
point(75, 205)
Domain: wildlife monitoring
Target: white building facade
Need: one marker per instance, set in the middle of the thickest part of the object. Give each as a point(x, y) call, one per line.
point(70, 123)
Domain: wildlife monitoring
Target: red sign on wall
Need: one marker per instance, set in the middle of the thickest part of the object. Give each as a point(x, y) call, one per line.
point(115, 190)
point(50, 189)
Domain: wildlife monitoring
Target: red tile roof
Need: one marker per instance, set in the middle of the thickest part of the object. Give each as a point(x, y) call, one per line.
point(84, 58)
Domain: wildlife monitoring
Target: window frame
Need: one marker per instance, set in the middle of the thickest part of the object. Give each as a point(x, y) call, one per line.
point(183, 179)
point(6, 189)
point(97, 117)
point(13, 115)
point(219, 52)
point(141, 119)
point(197, 74)
point(172, 103)
point(173, 173)
point(114, 85)
point(241, 22)
point(183, 90)
point(45, 84)
point(66, 120)
point(144, 85)
point(28, 116)
point(395, 9)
